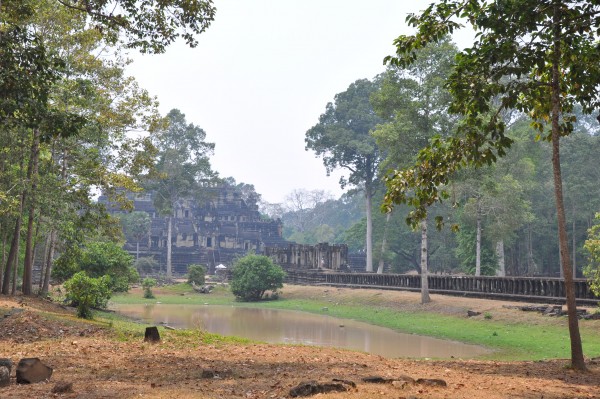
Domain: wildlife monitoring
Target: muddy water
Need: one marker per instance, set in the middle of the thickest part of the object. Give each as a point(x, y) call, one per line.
point(284, 326)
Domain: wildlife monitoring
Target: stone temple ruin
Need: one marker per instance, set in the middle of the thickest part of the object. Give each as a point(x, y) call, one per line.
point(219, 229)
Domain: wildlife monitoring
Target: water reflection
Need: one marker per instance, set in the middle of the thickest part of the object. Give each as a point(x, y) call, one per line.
point(283, 326)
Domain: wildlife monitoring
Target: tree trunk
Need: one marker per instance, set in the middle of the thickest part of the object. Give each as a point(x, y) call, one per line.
point(169, 232)
point(577, 359)
point(383, 244)
point(501, 272)
point(369, 237)
point(13, 254)
point(573, 247)
point(32, 172)
point(531, 266)
point(3, 257)
point(44, 261)
point(478, 241)
point(424, 259)
point(49, 263)
point(137, 251)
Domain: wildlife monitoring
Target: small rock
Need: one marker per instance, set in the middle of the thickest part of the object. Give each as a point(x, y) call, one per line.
point(208, 374)
point(377, 380)
point(32, 370)
point(472, 313)
point(432, 382)
point(309, 388)
point(62, 387)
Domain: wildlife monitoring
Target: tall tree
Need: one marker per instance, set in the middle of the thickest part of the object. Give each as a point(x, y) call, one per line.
point(183, 166)
point(538, 57)
point(343, 139)
point(414, 102)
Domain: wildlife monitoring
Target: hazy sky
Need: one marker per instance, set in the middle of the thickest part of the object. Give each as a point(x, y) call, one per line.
point(262, 75)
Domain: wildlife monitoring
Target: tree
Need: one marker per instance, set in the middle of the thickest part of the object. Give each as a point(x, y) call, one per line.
point(74, 125)
point(136, 225)
point(538, 57)
point(343, 138)
point(149, 25)
point(253, 275)
point(183, 168)
point(414, 102)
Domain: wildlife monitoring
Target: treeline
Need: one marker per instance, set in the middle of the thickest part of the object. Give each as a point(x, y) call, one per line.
point(69, 122)
point(498, 219)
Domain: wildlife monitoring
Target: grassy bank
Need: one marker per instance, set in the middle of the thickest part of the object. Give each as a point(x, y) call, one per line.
point(511, 338)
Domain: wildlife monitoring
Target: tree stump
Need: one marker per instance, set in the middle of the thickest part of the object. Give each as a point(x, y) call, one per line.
point(152, 335)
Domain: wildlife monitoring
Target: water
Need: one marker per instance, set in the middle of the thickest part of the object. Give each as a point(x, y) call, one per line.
point(285, 326)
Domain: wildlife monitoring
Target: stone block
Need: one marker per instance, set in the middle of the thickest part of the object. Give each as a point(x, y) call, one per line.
point(32, 370)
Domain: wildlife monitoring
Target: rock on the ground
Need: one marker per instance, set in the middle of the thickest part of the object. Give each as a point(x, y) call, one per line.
point(432, 382)
point(309, 388)
point(5, 369)
point(62, 387)
point(32, 370)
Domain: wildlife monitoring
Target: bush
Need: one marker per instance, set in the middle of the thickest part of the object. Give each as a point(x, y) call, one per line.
point(147, 284)
point(196, 274)
point(592, 246)
point(107, 258)
point(146, 265)
point(86, 293)
point(253, 275)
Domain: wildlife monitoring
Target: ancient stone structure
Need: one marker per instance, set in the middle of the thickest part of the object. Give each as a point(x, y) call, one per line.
point(306, 257)
point(208, 232)
point(220, 228)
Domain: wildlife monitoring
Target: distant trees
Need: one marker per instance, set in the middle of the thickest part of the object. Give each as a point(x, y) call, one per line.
point(136, 226)
point(343, 139)
point(311, 217)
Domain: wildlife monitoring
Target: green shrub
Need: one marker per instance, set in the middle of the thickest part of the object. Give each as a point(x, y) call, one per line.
point(592, 246)
point(147, 265)
point(98, 258)
point(253, 275)
point(86, 293)
point(147, 284)
point(196, 274)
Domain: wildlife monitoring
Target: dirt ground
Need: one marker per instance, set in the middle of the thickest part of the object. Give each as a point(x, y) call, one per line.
point(99, 366)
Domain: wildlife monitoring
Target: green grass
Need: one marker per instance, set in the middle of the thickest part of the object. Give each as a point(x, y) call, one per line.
point(510, 341)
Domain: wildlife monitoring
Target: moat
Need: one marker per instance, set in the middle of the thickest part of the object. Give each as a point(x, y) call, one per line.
point(290, 327)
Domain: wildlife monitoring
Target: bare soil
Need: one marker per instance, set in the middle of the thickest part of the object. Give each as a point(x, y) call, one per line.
point(100, 366)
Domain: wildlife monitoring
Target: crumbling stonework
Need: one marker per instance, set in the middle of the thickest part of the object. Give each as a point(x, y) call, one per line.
point(207, 232)
point(306, 257)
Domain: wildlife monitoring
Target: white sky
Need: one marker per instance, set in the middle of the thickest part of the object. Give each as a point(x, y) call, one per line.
point(262, 75)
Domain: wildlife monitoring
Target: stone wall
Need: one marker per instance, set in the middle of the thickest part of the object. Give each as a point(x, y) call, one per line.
point(309, 257)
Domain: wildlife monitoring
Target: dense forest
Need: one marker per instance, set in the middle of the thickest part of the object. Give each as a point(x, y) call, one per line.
point(513, 198)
